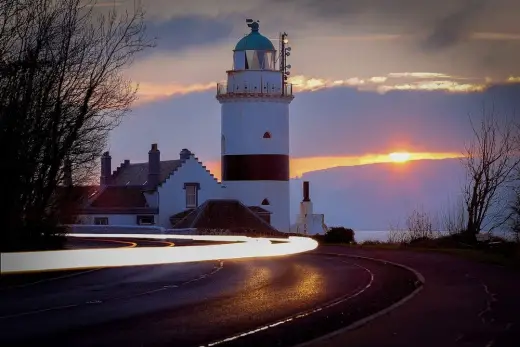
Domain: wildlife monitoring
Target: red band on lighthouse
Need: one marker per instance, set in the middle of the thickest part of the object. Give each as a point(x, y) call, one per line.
point(255, 167)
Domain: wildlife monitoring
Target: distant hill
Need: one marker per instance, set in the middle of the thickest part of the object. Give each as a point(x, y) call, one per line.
point(371, 197)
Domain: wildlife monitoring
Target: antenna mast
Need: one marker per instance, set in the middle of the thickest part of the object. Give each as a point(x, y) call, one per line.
point(285, 51)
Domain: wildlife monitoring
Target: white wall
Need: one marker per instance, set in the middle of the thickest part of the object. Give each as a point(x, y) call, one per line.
point(152, 199)
point(251, 193)
point(113, 219)
point(172, 196)
point(312, 225)
point(244, 124)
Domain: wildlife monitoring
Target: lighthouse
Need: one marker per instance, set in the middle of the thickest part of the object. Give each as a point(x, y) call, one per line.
point(255, 125)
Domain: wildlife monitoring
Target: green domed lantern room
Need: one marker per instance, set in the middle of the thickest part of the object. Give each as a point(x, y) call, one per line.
point(254, 51)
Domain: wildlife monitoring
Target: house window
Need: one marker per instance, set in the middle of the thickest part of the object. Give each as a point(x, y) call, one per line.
point(101, 220)
point(145, 220)
point(192, 192)
point(267, 135)
point(265, 202)
point(223, 144)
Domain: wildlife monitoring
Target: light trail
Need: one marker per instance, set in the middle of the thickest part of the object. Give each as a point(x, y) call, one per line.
point(128, 244)
point(245, 247)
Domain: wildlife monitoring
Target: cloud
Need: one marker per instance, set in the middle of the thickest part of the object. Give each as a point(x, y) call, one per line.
point(378, 79)
point(152, 92)
point(418, 81)
point(448, 86)
point(418, 75)
point(372, 45)
point(180, 33)
point(454, 27)
point(496, 36)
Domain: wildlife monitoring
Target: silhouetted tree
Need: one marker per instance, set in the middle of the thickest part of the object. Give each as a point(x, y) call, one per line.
point(61, 91)
point(490, 161)
point(515, 215)
point(454, 219)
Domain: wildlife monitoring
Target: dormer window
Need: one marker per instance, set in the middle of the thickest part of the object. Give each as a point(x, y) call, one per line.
point(267, 135)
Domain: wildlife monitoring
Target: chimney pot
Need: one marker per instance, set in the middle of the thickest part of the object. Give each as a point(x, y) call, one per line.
point(154, 147)
point(185, 154)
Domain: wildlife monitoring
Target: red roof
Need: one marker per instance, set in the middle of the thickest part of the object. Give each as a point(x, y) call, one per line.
point(71, 200)
point(258, 209)
point(230, 215)
point(120, 197)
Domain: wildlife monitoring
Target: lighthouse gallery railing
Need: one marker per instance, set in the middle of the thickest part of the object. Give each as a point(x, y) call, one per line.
point(246, 88)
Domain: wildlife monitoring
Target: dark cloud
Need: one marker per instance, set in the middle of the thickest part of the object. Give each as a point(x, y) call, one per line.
point(454, 27)
point(181, 33)
point(436, 24)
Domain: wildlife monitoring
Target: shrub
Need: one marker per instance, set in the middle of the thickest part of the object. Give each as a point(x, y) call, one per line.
point(339, 235)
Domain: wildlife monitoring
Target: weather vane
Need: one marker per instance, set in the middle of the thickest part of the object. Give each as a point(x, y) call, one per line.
point(253, 24)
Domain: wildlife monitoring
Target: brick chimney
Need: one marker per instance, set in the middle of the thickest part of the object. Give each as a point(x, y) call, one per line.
point(67, 173)
point(154, 167)
point(306, 191)
point(185, 154)
point(306, 209)
point(106, 169)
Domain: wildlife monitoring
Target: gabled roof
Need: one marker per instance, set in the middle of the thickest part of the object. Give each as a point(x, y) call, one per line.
point(226, 214)
point(75, 197)
point(120, 197)
point(178, 216)
point(258, 209)
point(77, 193)
point(70, 200)
point(137, 174)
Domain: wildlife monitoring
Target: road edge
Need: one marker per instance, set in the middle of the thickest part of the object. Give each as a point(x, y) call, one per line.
point(363, 321)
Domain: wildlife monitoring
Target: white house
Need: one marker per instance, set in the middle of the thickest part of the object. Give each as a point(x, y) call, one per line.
point(255, 157)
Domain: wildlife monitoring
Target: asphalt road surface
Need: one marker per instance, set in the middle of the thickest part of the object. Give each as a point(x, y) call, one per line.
point(463, 303)
point(280, 301)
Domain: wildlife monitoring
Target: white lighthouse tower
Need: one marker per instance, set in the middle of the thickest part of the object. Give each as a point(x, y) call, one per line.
point(255, 126)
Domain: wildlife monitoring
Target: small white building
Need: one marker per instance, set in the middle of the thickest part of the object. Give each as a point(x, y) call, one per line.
point(308, 223)
point(255, 154)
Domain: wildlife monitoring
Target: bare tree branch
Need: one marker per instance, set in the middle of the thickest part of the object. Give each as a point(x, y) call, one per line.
point(62, 91)
point(490, 161)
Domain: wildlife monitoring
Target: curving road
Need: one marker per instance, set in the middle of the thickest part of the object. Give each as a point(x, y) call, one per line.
point(281, 301)
point(199, 303)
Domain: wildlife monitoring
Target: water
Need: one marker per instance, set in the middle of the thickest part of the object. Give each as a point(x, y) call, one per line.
point(367, 235)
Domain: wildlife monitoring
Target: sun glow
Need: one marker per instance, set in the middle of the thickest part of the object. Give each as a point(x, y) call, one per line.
point(399, 157)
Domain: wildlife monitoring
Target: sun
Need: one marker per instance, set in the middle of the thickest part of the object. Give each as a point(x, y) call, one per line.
point(399, 157)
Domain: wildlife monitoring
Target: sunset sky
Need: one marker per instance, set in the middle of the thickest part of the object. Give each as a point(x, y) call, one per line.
point(373, 76)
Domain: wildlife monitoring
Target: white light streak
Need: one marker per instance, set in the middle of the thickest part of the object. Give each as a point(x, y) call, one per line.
point(245, 247)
